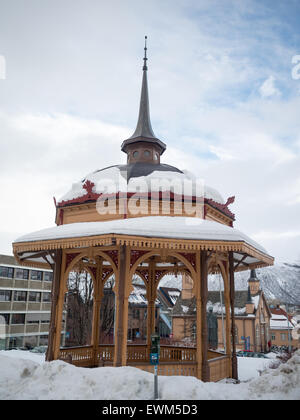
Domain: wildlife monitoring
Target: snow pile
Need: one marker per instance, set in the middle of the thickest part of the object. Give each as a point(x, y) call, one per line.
point(281, 383)
point(26, 379)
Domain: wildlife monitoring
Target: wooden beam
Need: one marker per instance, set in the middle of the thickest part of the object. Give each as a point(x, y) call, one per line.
point(197, 293)
point(54, 299)
point(98, 294)
point(151, 296)
point(239, 262)
point(232, 293)
point(204, 335)
point(121, 316)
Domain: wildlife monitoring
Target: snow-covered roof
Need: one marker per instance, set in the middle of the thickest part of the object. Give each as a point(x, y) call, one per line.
point(280, 322)
point(280, 325)
point(188, 228)
point(117, 179)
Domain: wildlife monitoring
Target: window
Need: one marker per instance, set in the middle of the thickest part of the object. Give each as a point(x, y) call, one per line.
point(156, 156)
point(4, 319)
point(257, 335)
point(22, 274)
point(5, 295)
point(135, 154)
point(147, 153)
point(46, 297)
point(273, 337)
point(34, 296)
point(36, 275)
point(6, 272)
point(33, 318)
point(43, 340)
point(44, 318)
point(48, 276)
point(136, 313)
point(194, 331)
point(283, 336)
point(20, 296)
point(18, 319)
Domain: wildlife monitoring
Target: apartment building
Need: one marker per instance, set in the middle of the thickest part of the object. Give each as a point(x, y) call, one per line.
point(25, 304)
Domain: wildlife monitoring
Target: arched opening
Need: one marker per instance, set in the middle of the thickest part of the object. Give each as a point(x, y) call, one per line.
point(137, 311)
point(107, 312)
point(169, 290)
point(78, 308)
point(161, 299)
point(216, 309)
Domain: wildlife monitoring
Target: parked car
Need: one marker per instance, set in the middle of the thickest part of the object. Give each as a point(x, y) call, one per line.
point(247, 353)
point(39, 349)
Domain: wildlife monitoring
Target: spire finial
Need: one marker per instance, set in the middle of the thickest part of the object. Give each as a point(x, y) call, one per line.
point(145, 56)
point(143, 132)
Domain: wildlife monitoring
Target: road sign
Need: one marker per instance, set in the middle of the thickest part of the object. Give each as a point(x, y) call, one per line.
point(154, 359)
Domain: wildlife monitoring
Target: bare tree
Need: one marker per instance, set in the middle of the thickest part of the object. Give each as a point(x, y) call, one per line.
point(79, 308)
point(107, 310)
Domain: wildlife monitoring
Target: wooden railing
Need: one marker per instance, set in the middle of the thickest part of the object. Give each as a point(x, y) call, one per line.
point(219, 368)
point(177, 360)
point(79, 356)
point(105, 354)
point(136, 353)
point(177, 354)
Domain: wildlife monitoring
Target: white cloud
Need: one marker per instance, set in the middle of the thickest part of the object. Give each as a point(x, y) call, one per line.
point(73, 91)
point(268, 88)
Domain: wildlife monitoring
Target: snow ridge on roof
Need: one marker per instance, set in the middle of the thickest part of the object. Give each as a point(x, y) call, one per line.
point(126, 178)
point(189, 228)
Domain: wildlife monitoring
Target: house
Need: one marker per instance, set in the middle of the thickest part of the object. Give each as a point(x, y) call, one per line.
point(167, 297)
point(281, 328)
point(252, 316)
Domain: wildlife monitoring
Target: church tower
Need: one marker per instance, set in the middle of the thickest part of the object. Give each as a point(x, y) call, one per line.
point(254, 283)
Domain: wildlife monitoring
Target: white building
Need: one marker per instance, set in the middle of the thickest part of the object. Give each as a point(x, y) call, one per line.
point(25, 304)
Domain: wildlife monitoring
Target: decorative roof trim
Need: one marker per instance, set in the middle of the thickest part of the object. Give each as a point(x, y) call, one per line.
point(91, 196)
point(145, 242)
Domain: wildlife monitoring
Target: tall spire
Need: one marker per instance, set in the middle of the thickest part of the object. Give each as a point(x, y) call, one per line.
point(144, 131)
point(144, 128)
point(145, 68)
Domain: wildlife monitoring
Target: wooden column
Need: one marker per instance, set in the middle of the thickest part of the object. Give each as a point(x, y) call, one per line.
point(151, 296)
point(227, 310)
point(204, 335)
point(59, 308)
point(54, 300)
point(197, 294)
point(232, 295)
point(122, 293)
point(98, 294)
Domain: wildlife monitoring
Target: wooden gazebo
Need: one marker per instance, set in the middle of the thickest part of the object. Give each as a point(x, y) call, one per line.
point(140, 234)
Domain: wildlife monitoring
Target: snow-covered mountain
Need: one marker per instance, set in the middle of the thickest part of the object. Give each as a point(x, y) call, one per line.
point(279, 282)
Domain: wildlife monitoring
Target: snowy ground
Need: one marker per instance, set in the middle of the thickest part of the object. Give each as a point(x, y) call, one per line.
point(25, 375)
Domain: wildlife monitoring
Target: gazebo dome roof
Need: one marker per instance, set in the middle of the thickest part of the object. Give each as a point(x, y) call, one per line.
point(139, 177)
point(144, 173)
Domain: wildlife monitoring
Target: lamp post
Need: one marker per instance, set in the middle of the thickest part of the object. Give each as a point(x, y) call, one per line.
point(288, 327)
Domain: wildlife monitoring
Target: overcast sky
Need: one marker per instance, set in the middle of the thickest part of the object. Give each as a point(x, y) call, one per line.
point(224, 93)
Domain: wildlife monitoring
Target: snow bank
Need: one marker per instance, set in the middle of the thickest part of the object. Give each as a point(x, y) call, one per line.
point(27, 379)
